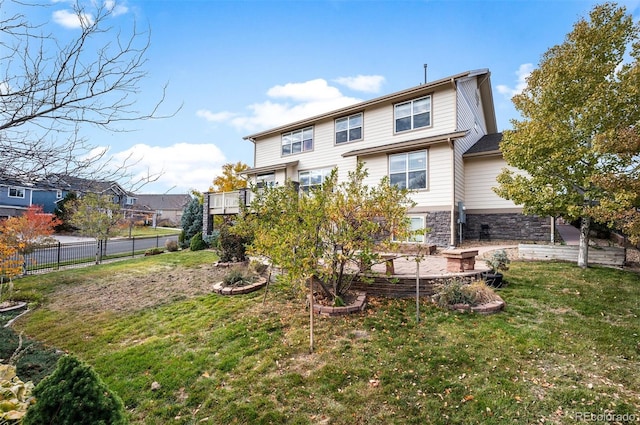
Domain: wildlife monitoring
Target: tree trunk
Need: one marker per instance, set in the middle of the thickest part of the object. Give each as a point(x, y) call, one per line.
point(583, 251)
point(311, 315)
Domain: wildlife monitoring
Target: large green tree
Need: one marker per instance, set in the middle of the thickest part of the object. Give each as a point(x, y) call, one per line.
point(96, 216)
point(191, 220)
point(329, 233)
point(583, 95)
point(326, 235)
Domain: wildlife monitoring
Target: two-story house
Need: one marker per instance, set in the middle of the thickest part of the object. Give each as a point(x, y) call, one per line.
point(15, 197)
point(438, 139)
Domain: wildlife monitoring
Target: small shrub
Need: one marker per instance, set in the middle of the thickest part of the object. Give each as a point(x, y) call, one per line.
point(451, 293)
point(458, 292)
point(74, 394)
point(212, 239)
point(154, 251)
point(232, 246)
point(257, 267)
point(499, 261)
point(182, 240)
point(197, 243)
point(171, 245)
point(236, 277)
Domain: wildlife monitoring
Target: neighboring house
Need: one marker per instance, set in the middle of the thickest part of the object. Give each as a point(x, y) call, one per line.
point(438, 139)
point(167, 209)
point(59, 184)
point(15, 197)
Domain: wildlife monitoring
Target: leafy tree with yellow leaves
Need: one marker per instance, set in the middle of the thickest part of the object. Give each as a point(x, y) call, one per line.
point(579, 109)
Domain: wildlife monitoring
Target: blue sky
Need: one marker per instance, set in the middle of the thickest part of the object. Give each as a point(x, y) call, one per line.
point(238, 67)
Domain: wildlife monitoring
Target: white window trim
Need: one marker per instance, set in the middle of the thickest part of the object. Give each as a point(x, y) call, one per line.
point(407, 170)
point(361, 126)
point(17, 190)
point(302, 147)
point(417, 238)
point(411, 102)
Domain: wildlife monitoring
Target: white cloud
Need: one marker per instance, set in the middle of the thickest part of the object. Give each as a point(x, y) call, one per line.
point(292, 102)
point(184, 166)
point(115, 8)
point(312, 90)
point(363, 83)
point(522, 73)
point(70, 19)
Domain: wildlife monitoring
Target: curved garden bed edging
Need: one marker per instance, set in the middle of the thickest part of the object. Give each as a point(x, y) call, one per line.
point(358, 305)
point(16, 306)
point(487, 308)
point(219, 287)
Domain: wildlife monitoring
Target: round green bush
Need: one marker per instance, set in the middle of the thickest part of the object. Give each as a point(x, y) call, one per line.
point(74, 394)
point(197, 243)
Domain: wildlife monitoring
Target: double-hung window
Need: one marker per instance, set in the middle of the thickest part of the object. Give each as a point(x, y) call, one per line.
point(409, 170)
point(297, 141)
point(412, 114)
point(349, 128)
point(313, 178)
point(16, 192)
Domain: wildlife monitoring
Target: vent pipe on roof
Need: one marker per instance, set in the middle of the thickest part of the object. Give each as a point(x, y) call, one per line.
point(425, 73)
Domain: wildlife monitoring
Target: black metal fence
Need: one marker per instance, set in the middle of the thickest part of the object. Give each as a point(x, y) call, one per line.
point(60, 255)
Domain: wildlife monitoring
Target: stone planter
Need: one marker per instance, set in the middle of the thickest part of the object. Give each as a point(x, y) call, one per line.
point(219, 287)
point(358, 305)
point(487, 308)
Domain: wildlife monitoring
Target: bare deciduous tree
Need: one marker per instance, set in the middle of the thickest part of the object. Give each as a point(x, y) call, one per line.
point(51, 89)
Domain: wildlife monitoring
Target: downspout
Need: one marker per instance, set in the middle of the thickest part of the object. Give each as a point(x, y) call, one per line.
point(452, 239)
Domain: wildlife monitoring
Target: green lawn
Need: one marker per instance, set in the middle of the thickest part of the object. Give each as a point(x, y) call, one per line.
point(567, 345)
point(145, 231)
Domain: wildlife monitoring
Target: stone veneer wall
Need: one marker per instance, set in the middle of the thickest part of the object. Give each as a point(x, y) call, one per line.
point(207, 220)
point(439, 223)
point(508, 226)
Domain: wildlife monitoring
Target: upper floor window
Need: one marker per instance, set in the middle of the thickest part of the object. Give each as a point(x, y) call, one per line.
point(313, 178)
point(297, 141)
point(412, 114)
point(131, 201)
point(409, 170)
point(58, 194)
point(16, 192)
point(349, 128)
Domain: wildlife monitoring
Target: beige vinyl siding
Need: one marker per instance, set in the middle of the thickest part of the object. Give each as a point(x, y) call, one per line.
point(378, 129)
point(438, 176)
point(470, 118)
point(480, 179)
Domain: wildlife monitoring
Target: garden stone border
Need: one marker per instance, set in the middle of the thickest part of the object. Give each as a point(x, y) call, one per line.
point(359, 304)
point(219, 287)
point(487, 308)
point(17, 306)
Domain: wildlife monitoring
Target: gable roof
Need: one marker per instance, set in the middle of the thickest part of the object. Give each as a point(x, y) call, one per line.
point(163, 201)
point(488, 144)
point(484, 86)
point(71, 183)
